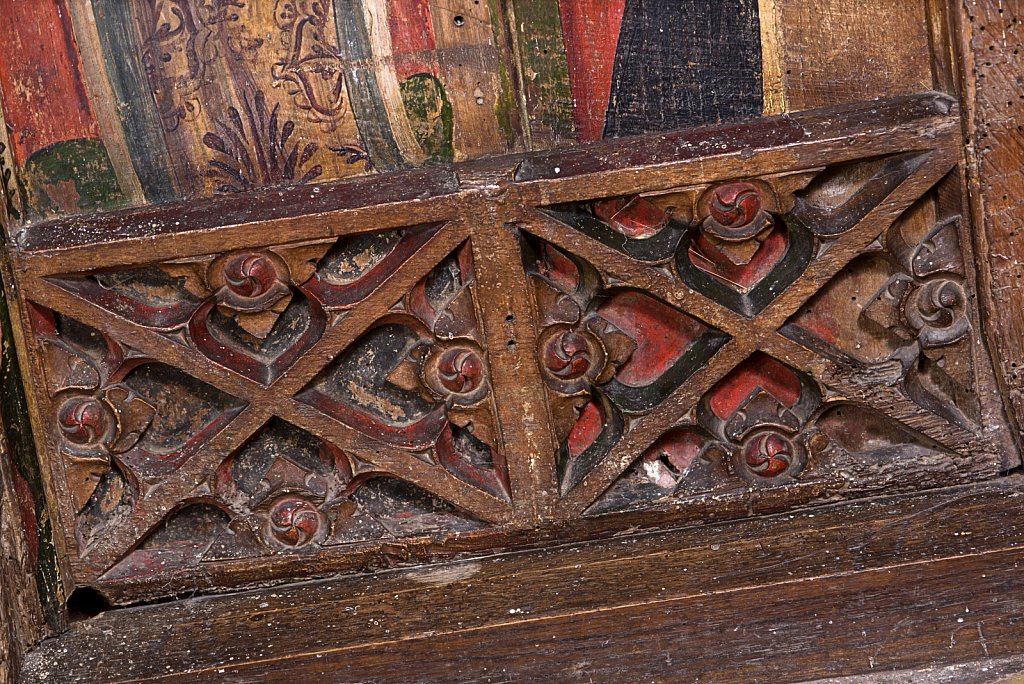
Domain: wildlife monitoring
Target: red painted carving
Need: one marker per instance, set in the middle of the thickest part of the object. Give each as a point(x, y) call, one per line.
point(373, 374)
point(669, 459)
point(736, 211)
point(634, 217)
point(249, 281)
point(768, 454)
point(457, 372)
point(109, 406)
point(586, 430)
point(739, 242)
point(572, 359)
point(660, 334)
point(606, 353)
point(760, 374)
point(86, 423)
point(293, 522)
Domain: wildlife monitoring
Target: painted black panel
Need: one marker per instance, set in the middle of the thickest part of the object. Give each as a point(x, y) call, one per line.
point(683, 63)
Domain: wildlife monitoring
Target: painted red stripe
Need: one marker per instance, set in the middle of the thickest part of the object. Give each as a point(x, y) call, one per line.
point(591, 30)
point(45, 100)
point(412, 37)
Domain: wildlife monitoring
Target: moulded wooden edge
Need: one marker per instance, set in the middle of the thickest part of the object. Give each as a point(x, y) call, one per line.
point(876, 585)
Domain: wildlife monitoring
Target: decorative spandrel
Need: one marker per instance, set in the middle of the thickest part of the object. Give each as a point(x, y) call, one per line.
point(287, 492)
point(689, 327)
point(418, 380)
point(767, 425)
point(326, 368)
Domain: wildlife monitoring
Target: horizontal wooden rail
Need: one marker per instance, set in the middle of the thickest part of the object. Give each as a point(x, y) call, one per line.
point(852, 588)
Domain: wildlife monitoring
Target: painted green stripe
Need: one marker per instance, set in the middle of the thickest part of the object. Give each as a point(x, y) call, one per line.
point(505, 108)
point(140, 119)
point(545, 72)
point(363, 90)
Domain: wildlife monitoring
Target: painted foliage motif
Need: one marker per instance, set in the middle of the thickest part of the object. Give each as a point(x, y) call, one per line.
point(157, 100)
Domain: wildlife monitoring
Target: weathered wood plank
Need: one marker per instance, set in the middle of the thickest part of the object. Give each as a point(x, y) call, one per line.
point(678, 601)
point(26, 555)
point(992, 35)
point(545, 72)
point(1008, 670)
point(832, 52)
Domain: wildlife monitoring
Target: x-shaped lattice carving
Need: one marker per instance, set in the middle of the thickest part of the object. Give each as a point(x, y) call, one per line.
point(490, 206)
point(748, 335)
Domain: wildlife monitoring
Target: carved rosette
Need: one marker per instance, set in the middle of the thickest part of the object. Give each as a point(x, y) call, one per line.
point(769, 454)
point(607, 353)
point(293, 522)
point(99, 418)
point(923, 311)
point(457, 373)
point(417, 380)
point(87, 425)
point(759, 414)
point(249, 281)
point(738, 222)
point(937, 311)
point(571, 359)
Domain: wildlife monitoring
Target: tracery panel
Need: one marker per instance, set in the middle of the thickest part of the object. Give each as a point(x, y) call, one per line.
point(697, 325)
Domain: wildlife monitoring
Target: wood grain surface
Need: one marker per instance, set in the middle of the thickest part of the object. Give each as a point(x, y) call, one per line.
point(240, 335)
point(712, 404)
point(992, 46)
point(857, 588)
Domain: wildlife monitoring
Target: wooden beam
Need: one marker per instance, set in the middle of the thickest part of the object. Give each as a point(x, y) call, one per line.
point(884, 584)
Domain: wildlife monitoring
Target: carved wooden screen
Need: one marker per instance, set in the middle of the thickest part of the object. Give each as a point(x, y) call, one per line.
point(691, 326)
